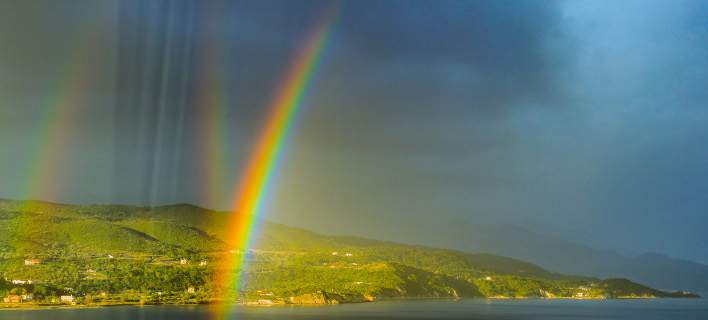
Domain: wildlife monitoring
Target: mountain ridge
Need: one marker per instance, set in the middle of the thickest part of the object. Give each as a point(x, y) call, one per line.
point(178, 249)
point(558, 255)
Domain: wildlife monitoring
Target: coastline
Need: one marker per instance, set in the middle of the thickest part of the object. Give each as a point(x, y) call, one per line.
point(28, 306)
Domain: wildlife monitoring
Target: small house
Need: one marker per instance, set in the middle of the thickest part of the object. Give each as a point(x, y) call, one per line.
point(67, 299)
point(32, 262)
point(12, 299)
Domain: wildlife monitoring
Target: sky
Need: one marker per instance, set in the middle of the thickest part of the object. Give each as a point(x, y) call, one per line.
point(583, 120)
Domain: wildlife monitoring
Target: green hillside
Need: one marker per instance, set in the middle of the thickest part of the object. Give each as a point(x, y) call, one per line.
point(122, 254)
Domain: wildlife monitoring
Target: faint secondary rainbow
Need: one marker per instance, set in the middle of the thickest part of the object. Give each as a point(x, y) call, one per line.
point(268, 149)
point(49, 143)
point(213, 101)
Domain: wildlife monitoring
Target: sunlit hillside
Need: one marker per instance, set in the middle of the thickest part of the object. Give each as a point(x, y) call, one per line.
point(124, 254)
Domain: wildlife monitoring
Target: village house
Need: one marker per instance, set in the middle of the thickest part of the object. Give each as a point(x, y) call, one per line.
point(67, 299)
point(203, 263)
point(191, 290)
point(183, 261)
point(31, 262)
point(21, 281)
point(348, 254)
point(546, 294)
point(12, 299)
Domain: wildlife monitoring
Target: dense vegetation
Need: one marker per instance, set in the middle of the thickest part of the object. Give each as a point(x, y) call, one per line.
point(123, 254)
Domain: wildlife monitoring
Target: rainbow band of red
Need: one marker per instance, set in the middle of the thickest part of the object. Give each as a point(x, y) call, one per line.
point(262, 165)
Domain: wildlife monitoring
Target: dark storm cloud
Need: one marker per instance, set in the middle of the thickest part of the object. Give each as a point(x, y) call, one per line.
point(463, 55)
point(411, 74)
point(503, 37)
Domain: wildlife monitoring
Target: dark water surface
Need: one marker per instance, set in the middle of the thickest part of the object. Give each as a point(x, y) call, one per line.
point(683, 309)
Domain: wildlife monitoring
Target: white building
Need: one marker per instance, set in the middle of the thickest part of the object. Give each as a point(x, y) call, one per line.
point(67, 299)
point(31, 262)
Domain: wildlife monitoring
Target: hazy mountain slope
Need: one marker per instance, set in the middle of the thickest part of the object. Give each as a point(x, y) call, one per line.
point(661, 271)
point(554, 254)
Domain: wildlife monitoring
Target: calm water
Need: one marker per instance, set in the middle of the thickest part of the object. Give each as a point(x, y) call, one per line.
point(683, 309)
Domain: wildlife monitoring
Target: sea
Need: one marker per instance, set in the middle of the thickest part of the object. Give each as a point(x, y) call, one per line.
point(470, 309)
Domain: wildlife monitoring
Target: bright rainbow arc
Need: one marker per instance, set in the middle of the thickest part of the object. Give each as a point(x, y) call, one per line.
point(263, 163)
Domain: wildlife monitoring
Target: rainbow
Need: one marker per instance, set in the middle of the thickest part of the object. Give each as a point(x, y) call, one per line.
point(213, 100)
point(268, 149)
point(49, 143)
